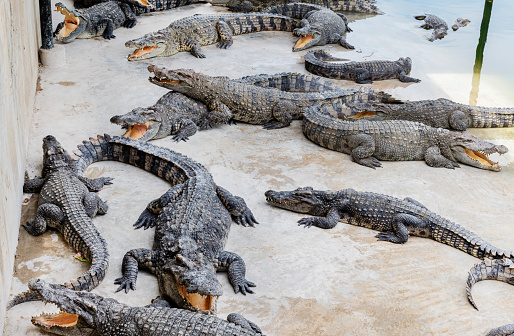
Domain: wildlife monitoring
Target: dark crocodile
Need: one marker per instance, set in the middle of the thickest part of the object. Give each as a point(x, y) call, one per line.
point(360, 72)
point(441, 112)
point(439, 26)
point(362, 6)
point(192, 221)
point(398, 140)
point(98, 20)
point(141, 6)
point(318, 26)
point(193, 32)
point(396, 219)
point(249, 103)
point(66, 204)
point(84, 313)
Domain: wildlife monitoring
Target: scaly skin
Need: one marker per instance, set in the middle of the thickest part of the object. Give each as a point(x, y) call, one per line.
point(85, 313)
point(66, 204)
point(441, 112)
point(318, 26)
point(233, 99)
point(192, 221)
point(439, 26)
point(361, 6)
point(295, 82)
point(361, 72)
point(396, 219)
point(398, 140)
point(192, 32)
point(141, 6)
point(99, 20)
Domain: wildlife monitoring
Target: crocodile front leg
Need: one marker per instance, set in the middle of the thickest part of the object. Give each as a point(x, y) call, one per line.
point(243, 322)
point(400, 233)
point(33, 185)
point(413, 201)
point(328, 222)
point(342, 41)
point(108, 28)
point(95, 184)
point(225, 35)
point(46, 215)
point(433, 158)
point(236, 268)
point(133, 261)
point(237, 207)
point(219, 112)
point(129, 14)
point(94, 205)
point(402, 77)
point(282, 112)
point(456, 120)
point(183, 129)
point(195, 48)
point(362, 148)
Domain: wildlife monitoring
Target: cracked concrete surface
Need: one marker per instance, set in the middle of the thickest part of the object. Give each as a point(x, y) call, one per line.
point(309, 281)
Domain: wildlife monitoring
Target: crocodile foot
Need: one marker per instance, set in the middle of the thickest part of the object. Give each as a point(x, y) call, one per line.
point(125, 284)
point(146, 220)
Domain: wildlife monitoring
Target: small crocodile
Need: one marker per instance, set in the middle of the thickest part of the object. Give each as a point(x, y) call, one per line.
point(84, 313)
point(192, 32)
point(398, 140)
point(396, 219)
point(192, 221)
point(66, 204)
point(459, 23)
point(249, 103)
point(362, 6)
point(439, 26)
point(318, 26)
point(98, 20)
point(441, 112)
point(360, 72)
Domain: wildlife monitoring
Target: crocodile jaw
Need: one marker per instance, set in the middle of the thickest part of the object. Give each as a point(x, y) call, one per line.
point(204, 303)
point(478, 159)
point(140, 131)
point(147, 52)
point(306, 41)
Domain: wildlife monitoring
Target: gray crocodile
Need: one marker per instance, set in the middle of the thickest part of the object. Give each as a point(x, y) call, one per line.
point(439, 26)
point(141, 6)
point(252, 104)
point(192, 32)
point(441, 112)
point(506, 330)
point(398, 140)
point(362, 6)
point(318, 26)
point(459, 23)
point(396, 219)
point(192, 221)
point(84, 313)
point(98, 20)
point(66, 204)
point(360, 72)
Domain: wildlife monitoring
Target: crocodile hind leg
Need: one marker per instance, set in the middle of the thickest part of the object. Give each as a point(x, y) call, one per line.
point(95, 184)
point(456, 120)
point(413, 201)
point(183, 129)
point(328, 222)
point(433, 158)
point(237, 207)
point(94, 205)
point(361, 75)
point(129, 14)
point(134, 260)
point(219, 112)
point(243, 322)
point(282, 112)
point(400, 233)
point(108, 28)
point(236, 268)
point(402, 77)
point(363, 147)
point(225, 35)
point(342, 41)
point(33, 185)
point(46, 215)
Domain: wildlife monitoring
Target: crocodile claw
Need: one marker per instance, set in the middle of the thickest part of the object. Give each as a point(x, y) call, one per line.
point(244, 287)
point(307, 222)
point(125, 284)
point(246, 219)
point(146, 220)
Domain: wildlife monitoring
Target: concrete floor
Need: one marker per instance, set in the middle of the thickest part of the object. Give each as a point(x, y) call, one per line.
point(309, 281)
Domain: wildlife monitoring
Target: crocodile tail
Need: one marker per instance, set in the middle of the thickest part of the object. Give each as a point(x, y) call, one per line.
point(506, 330)
point(23, 297)
point(490, 269)
point(290, 82)
point(361, 6)
point(486, 117)
point(91, 151)
point(249, 23)
point(322, 55)
point(293, 10)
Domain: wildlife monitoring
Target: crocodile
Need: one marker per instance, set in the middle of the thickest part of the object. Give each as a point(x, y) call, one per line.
point(83, 313)
point(360, 72)
point(98, 20)
point(141, 6)
point(66, 204)
point(440, 112)
point(361, 6)
point(396, 219)
point(192, 32)
point(506, 330)
point(192, 221)
point(439, 26)
point(318, 26)
point(253, 104)
point(459, 23)
point(398, 140)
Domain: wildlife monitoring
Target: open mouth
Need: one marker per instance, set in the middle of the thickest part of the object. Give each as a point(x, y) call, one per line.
point(145, 3)
point(62, 319)
point(205, 303)
point(362, 115)
point(139, 53)
point(482, 158)
point(71, 22)
point(303, 41)
point(137, 131)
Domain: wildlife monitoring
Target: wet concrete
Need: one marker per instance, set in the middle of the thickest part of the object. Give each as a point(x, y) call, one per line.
point(309, 281)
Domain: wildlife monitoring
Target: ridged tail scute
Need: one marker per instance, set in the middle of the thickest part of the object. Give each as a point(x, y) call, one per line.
point(321, 55)
point(291, 82)
point(490, 269)
point(249, 23)
point(296, 10)
point(490, 117)
point(23, 297)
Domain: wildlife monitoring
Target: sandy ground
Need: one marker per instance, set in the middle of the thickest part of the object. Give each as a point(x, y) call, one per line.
point(309, 281)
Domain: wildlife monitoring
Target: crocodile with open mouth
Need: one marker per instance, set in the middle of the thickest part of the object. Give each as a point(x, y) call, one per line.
point(318, 26)
point(440, 112)
point(193, 32)
point(98, 20)
point(192, 221)
point(367, 142)
point(84, 314)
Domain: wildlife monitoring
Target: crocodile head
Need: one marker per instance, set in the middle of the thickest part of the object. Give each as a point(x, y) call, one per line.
point(468, 149)
point(81, 312)
point(73, 25)
point(152, 45)
point(180, 80)
point(54, 155)
point(141, 123)
point(309, 37)
point(405, 64)
point(302, 200)
point(190, 284)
